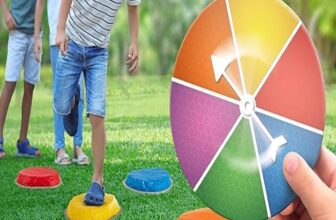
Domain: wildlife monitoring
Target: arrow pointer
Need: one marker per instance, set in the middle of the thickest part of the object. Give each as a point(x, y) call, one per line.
point(220, 66)
point(276, 143)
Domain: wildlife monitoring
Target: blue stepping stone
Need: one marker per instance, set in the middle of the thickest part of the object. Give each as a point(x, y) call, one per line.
point(149, 181)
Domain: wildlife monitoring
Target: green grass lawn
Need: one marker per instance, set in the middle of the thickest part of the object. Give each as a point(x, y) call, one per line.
point(138, 136)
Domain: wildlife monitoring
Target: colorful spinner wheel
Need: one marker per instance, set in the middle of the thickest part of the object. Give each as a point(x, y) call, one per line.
point(247, 89)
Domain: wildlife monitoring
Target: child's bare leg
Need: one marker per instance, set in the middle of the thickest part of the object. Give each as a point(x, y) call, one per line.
point(6, 96)
point(26, 108)
point(98, 146)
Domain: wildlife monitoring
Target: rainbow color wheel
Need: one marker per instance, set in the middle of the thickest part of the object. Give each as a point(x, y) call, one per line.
point(247, 89)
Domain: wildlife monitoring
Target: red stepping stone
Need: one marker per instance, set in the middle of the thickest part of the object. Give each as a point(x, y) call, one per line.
point(38, 177)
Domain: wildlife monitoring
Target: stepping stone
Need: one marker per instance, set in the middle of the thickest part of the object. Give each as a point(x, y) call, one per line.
point(149, 181)
point(38, 178)
point(78, 210)
point(201, 214)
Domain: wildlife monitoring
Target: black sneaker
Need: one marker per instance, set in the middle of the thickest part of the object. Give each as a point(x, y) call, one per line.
point(70, 121)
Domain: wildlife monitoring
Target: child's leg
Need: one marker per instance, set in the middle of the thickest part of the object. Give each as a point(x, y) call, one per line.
point(17, 42)
point(6, 96)
point(79, 156)
point(26, 109)
point(31, 78)
point(59, 142)
point(95, 77)
point(98, 146)
point(78, 138)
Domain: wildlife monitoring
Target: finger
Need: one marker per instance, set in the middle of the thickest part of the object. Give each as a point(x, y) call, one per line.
point(62, 45)
point(37, 56)
point(284, 217)
point(133, 67)
point(326, 165)
point(134, 57)
point(130, 52)
point(58, 42)
point(278, 217)
point(10, 26)
point(306, 184)
point(128, 61)
point(333, 182)
point(130, 57)
point(290, 209)
point(300, 209)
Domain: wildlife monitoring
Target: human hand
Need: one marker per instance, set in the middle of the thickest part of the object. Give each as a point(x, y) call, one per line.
point(10, 22)
point(316, 190)
point(37, 50)
point(62, 41)
point(132, 59)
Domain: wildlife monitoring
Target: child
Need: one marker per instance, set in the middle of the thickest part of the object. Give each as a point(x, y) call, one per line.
point(83, 33)
point(20, 24)
point(62, 158)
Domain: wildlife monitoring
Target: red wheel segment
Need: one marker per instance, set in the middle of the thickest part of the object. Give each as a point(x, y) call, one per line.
point(295, 88)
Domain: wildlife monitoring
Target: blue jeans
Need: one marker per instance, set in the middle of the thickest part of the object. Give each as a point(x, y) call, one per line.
point(58, 119)
point(92, 61)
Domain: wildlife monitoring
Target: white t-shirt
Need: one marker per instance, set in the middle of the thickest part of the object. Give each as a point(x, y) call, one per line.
point(53, 12)
point(90, 22)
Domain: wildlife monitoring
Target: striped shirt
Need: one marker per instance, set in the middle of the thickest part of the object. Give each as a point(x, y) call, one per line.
point(89, 22)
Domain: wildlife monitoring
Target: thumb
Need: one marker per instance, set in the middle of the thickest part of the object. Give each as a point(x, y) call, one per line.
point(306, 184)
point(130, 52)
point(37, 56)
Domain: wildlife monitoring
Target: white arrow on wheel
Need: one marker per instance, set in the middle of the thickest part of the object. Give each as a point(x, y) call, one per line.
point(276, 143)
point(220, 66)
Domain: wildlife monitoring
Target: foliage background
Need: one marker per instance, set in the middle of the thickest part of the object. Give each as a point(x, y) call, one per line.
point(164, 24)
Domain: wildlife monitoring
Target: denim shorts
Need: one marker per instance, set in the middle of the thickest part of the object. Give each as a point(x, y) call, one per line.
point(21, 54)
point(92, 62)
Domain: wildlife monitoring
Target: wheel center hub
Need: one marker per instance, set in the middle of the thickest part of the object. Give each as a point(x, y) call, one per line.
point(247, 106)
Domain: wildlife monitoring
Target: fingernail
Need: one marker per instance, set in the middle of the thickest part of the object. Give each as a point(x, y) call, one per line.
point(291, 163)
